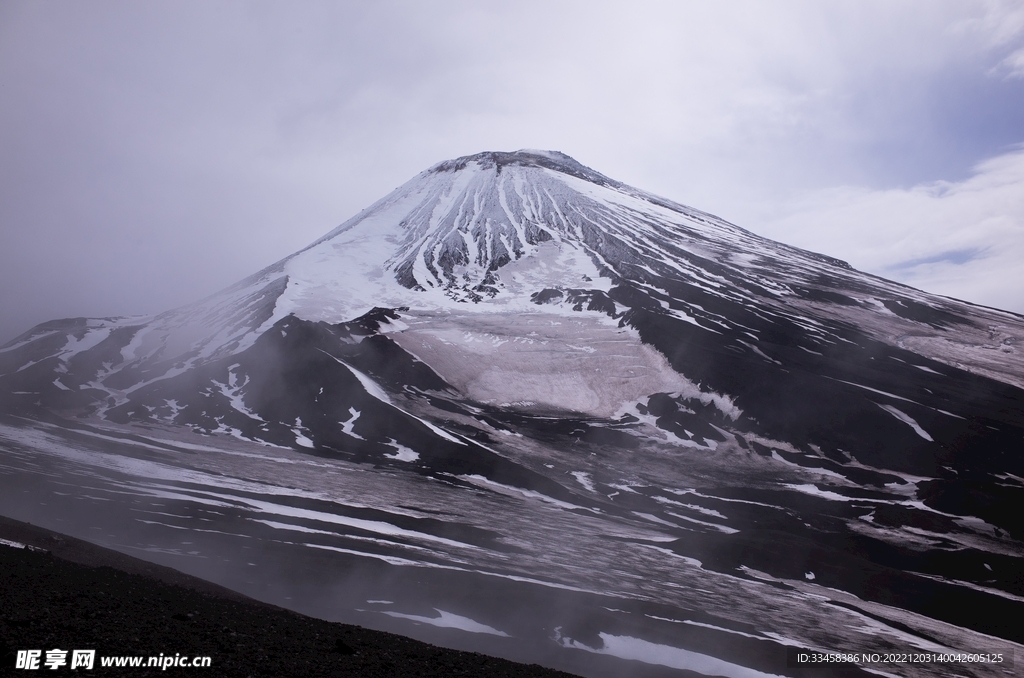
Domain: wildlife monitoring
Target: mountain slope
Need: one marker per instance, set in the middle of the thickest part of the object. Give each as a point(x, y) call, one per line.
point(518, 324)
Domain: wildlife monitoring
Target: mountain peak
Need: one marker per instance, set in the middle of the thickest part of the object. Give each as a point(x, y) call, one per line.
point(525, 157)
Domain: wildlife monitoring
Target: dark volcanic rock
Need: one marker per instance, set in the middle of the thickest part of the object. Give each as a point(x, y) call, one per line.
point(120, 606)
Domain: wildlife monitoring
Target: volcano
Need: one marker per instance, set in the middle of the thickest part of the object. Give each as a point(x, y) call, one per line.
point(519, 407)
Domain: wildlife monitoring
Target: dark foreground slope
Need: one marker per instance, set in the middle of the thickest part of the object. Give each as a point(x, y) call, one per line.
point(74, 595)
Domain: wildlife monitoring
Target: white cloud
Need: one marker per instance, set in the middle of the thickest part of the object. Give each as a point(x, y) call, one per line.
point(999, 21)
point(153, 153)
point(959, 239)
point(1014, 64)
point(1001, 25)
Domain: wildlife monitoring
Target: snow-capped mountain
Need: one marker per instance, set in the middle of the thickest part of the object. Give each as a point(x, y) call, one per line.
point(517, 323)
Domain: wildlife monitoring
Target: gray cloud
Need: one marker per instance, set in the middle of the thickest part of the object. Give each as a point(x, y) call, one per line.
point(153, 153)
point(956, 257)
point(961, 239)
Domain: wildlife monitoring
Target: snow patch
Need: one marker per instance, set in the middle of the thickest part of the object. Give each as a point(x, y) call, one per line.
point(906, 419)
point(301, 438)
point(347, 426)
point(818, 492)
point(450, 621)
point(402, 453)
point(481, 481)
point(583, 478)
point(636, 649)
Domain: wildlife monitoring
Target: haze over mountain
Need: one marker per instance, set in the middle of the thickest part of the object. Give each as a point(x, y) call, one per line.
point(592, 427)
point(155, 154)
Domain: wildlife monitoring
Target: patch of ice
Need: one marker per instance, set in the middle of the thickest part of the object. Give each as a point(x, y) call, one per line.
point(34, 337)
point(230, 430)
point(654, 519)
point(693, 507)
point(402, 453)
point(90, 339)
point(450, 621)
point(376, 526)
point(636, 649)
point(758, 351)
point(984, 589)
point(347, 426)
point(690, 622)
point(716, 526)
point(874, 627)
point(583, 478)
point(817, 492)
point(130, 351)
point(369, 384)
point(232, 391)
point(727, 499)
point(29, 364)
point(300, 436)
point(906, 419)
point(390, 560)
point(392, 325)
point(377, 392)
point(481, 481)
point(175, 408)
point(356, 537)
point(875, 390)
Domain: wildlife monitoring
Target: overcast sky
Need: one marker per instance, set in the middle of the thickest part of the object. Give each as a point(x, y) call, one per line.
point(152, 153)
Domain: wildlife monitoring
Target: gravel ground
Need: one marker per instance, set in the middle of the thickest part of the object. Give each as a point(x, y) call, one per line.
point(68, 594)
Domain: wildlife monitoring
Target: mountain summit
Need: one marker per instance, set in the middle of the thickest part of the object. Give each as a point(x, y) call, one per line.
point(518, 324)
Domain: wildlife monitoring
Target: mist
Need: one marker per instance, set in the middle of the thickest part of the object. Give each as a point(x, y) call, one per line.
point(155, 155)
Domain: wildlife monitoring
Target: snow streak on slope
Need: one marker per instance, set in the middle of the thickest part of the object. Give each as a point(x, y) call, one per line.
point(507, 232)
